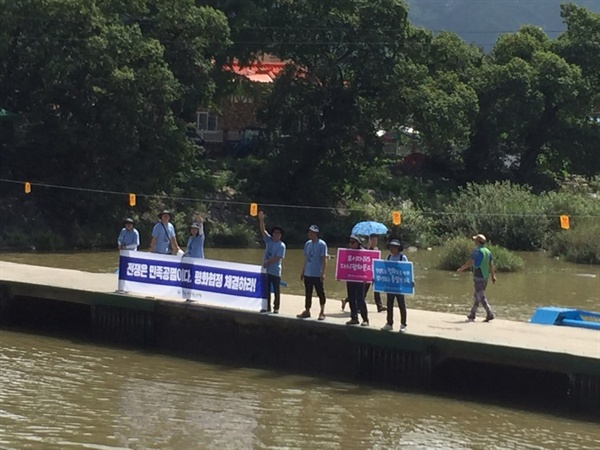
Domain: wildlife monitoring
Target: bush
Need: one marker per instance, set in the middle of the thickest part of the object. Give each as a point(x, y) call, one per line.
point(223, 235)
point(458, 250)
point(578, 245)
point(512, 215)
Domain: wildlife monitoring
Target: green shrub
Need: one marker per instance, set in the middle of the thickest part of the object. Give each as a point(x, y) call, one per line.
point(458, 250)
point(578, 245)
point(511, 215)
point(47, 241)
point(223, 235)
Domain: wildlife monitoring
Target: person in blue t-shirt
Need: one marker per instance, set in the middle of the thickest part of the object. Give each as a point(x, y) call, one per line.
point(195, 243)
point(274, 253)
point(483, 266)
point(129, 237)
point(313, 271)
point(163, 236)
point(395, 247)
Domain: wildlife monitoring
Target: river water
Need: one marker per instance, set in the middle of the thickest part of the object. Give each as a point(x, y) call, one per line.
point(58, 393)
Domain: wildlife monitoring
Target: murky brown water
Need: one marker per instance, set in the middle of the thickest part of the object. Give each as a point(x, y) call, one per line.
point(61, 394)
point(544, 282)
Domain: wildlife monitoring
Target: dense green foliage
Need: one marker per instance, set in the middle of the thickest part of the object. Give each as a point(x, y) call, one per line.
point(103, 90)
point(458, 250)
point(580, 245)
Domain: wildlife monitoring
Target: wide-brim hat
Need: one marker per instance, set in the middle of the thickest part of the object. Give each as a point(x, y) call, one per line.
point(128, 220)
point(276, 228)
point(480, 237)
point(163, 212)
point(313, 228)
point(394, 243)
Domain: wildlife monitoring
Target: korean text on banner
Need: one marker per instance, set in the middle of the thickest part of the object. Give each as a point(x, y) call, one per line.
point(393, 277)
point(355, 265)
point(203, 280)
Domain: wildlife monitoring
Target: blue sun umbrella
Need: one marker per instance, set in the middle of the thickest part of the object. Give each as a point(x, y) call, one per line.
point(369, 227)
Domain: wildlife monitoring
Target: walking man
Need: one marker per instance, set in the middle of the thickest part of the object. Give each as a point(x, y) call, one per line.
point(163, 236)
point(313, 271)
point(483, 266)
point(274, 253)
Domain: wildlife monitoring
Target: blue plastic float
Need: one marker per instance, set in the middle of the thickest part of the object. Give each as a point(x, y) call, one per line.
point(550, 315)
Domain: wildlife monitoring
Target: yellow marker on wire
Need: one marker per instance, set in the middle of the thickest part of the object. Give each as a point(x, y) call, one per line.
point(253, 209)
point(27, 187)
point(564, 222)
point(132, 200)
point(396, 217)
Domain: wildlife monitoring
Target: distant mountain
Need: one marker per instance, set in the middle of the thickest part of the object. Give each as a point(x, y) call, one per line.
point(481, 21)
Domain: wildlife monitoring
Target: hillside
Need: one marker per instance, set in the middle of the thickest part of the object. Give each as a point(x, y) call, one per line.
point(481, 21)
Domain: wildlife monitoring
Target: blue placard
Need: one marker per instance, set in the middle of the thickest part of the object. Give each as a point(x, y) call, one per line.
point(393, 277)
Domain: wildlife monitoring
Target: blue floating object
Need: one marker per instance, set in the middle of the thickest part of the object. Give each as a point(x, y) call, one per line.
point(550, 315)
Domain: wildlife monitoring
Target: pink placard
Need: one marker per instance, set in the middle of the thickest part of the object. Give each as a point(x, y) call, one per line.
point(355, 265)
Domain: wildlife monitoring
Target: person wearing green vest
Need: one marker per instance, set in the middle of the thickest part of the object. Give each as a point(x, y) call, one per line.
point(483, 266)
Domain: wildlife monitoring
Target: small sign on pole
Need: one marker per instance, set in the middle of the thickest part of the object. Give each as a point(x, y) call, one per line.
point(253, 209)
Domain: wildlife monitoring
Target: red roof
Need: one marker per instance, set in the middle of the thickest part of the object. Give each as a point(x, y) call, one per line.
point(259, 72)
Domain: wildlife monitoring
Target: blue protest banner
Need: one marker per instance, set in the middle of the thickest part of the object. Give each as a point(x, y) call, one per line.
point(203, 280)
point(393, 277)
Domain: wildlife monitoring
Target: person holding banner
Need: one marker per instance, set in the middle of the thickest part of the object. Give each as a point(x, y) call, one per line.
point(274, 253)
point(395, 247)
point(313, 271)
point(357, 292)
point(483, 266)
point(195, 243)
point(164, 240)
point(129, 237)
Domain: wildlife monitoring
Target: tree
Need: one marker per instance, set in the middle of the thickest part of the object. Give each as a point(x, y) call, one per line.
point(96, 96)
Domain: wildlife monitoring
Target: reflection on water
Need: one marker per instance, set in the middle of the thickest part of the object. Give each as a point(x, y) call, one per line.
point(544, 282)
point(57, 394)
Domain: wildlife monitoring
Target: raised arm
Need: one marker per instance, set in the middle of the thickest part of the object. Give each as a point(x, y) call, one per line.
point(261, 223)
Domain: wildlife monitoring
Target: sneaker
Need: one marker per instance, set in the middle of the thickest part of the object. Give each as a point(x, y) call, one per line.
point(402, 328)
point(365, 323)
point(263, 311)
point(470, 319)
point(488, 318)
point(304, 315)
point(275, 311)
point(387, 327)
point(321, 316)
point(381, 308)
point(352, 322)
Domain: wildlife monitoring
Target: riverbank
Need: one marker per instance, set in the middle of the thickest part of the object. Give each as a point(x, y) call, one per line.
point(439, 351)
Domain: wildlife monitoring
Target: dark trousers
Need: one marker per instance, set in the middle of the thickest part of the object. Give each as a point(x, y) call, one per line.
point(309, 284)
point(356, 299)
point(273, 285)
point(376, 295)
point(390, 308)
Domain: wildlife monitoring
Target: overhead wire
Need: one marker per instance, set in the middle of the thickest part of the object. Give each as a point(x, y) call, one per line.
point(276, 205)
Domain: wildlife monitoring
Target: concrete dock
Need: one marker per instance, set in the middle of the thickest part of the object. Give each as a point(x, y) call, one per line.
point(439, 350)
